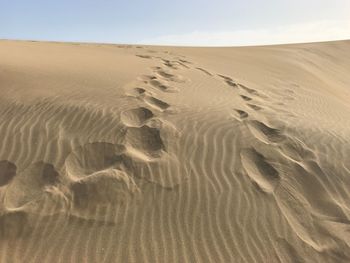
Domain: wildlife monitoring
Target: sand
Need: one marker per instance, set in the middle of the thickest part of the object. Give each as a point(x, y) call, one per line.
point(119, 153)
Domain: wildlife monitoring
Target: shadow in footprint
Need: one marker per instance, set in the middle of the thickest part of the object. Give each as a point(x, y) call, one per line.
point(246, 98)
point(7, 172)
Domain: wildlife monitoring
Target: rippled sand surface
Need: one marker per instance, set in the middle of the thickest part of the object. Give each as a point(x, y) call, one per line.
point(113, 153)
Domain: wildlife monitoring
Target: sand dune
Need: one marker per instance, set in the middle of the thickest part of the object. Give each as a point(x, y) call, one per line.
point(113, 153)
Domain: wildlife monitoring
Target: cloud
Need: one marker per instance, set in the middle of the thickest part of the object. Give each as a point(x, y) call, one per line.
point(297, 33)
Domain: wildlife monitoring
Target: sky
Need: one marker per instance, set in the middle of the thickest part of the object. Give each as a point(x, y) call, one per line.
point(176, 22)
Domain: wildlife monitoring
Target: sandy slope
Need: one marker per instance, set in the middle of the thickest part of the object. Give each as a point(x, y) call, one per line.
point(152, 154)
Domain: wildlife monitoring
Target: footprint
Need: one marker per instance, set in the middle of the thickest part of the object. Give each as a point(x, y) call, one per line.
point(265, 133)
point(232, 84)
point(124, 46)
point(7, 172)
point(174, 64)
point(135, 92)
point(259, 170)
point(100, 174)
point(246, 98)
point(136, 117)
point(169, 64)
point(225, 77)
point(205, 71)
point(164, 74)
point(296, 150)
point(156, 103)
point(95, 157)
point(147, 78)
point(144, 56)
point(158, 85)
point(182, 64)
point(252, 91)
point(288, 91)
point(104, 188)
point(254, 107)
point(33, 187)
point(144, 142)
point(249, 90)
point(240, 114)
point(229, 81)
point(151, 51)
point(168, 76)
point(185, 61)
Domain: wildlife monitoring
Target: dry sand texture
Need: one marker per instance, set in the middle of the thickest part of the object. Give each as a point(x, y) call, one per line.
point(155, 154)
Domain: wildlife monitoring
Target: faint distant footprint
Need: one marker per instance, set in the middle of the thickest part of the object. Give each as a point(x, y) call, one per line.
point(185, 61)
point(254, 107)
point(204, 71)
point(225, 77)
point(229, 81)
point(174, 64)
point(136, 92)
point(146, 78)
point(156, 103)
point(162, 87)
point(249, 90)
point(246, 98)
point(252, 91)
point(168, 76)
point(144, 56)
point(240, 114)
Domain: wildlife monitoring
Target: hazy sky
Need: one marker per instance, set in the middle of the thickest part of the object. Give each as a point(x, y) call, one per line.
point(177, 22)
